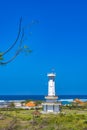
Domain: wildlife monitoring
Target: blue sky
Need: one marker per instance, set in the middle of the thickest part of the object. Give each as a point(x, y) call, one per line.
point(59, 41)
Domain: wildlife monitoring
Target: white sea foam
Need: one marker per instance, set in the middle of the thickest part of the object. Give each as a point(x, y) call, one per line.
point(2, 101)
point(71, 100)
point(68, 100)
point(84, 100)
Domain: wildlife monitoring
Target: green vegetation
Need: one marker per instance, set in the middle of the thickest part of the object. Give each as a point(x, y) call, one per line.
point(68, 119)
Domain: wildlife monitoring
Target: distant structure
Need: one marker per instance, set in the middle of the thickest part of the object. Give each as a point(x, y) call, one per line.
point(51, 105)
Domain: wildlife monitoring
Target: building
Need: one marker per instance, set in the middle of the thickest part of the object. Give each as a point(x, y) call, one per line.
point(51, 105)
point(30, 104)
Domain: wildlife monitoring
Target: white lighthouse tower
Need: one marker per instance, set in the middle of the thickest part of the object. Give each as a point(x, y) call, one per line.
point(51, 84)
point(51, 105)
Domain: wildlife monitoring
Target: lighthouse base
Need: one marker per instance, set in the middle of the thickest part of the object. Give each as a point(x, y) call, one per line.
point(51, 107)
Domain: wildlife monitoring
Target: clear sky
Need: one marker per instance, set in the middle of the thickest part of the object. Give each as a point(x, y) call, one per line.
point(59, 41)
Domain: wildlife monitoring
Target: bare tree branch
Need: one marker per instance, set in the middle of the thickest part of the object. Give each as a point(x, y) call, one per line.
point(4, 63)
point(15, 40)
point(17, 52)
point(20, 47)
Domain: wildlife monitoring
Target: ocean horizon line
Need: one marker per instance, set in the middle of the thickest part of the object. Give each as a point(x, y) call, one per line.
point(39, 97)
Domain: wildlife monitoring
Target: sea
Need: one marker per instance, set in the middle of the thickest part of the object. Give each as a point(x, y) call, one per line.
point(65, 99)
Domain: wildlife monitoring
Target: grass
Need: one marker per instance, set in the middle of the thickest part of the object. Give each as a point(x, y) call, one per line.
point(68, 119)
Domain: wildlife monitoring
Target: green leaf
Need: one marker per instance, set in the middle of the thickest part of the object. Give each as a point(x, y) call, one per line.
point(25, 47)
point(1, 56)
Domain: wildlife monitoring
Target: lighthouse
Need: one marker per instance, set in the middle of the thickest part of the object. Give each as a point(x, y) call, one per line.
point(51, 84)
point(51, 105)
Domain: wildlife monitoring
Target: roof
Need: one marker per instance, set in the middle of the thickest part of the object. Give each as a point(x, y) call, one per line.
point(51, 74)
point(30, 104)
point(79, 101)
